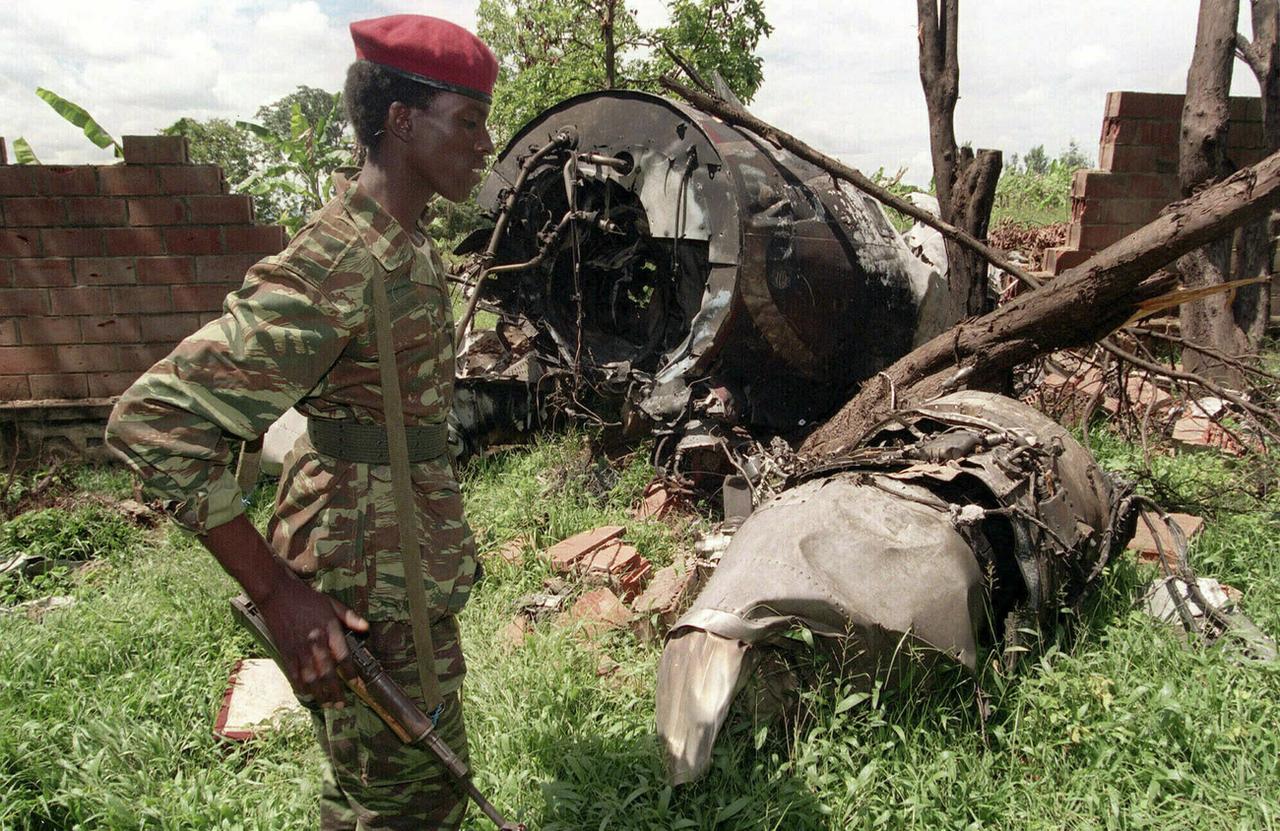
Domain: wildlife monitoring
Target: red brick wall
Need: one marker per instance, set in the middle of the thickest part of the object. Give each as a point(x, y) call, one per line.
point(1138, 175)
point(103, 268)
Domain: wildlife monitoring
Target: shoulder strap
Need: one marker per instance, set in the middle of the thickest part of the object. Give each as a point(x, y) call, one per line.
point(402, 487)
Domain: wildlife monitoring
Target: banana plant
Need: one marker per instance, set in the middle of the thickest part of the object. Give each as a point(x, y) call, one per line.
point(23, 153)
point(78, 116)
point(301, 165)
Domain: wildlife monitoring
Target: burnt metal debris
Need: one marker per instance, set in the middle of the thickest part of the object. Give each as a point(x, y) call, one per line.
point(646, 253)
point(956, 526)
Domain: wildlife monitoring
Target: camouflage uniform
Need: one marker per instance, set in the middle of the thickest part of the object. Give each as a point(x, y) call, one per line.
point(299, 333)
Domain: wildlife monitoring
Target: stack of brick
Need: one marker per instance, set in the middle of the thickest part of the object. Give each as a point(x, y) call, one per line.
point(1138, 175)
point(104, 268)
point(600, 557)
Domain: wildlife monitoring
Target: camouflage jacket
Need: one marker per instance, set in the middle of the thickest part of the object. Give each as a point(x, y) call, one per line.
point(299, 332)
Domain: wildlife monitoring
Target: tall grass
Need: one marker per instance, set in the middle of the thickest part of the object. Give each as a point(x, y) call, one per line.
point(106, 707)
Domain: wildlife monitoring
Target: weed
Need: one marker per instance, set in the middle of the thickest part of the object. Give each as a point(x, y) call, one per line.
point(106, 707)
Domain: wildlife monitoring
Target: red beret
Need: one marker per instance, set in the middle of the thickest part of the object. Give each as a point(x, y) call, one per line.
point(429, 50)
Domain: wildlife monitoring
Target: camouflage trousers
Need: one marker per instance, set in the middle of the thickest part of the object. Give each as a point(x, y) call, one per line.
point(372, 780)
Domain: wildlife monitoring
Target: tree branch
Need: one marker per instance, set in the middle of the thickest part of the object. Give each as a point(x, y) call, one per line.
point(739, 117)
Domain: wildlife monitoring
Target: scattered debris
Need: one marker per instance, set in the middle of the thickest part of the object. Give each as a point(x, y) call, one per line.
point(511, 551)
point(1148, 547)
point(566, 555)
point(257, 699)
point(657, 501)
point(606, 666)
point(665, 598)
point(1163, 597)
point(547, 603)
point(517, 630)
point(597, 611)
point(35, 610)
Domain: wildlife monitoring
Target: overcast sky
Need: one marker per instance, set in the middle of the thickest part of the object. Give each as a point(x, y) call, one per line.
point(840, 74)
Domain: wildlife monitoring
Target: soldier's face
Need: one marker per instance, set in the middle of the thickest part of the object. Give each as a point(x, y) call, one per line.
point(451, 143)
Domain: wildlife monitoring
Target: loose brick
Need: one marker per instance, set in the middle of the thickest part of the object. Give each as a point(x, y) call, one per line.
point(9, 331)
point(79, 300)
point(142, 356)
point(227, 268)
point(59, 386)
point(232, 209)
point(1058, 260)
point(568, 553)
point(155, 149)
point(39, 272)
point(167, 328)
point(15, 180)
point(16, 360)
point(105, 271)
point(71, 242)
point(203, 239)
point(598, 611)
point(157, 210)
point(109, 384)
point(255, 239)
point(133, 299)
point(95, 210)
point(24, 301)
point(34, 211)
point(43, 330)
point(14, 388)
point(191, 179)
point(165, 270)
point(134, 241)
point(110, 329)
point(20, 243)
point(127, 180)
point(197, 298)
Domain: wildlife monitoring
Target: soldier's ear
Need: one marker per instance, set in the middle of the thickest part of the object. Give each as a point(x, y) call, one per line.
point(399, 121)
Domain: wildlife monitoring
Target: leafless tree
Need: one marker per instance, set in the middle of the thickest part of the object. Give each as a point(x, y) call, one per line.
point(965, 181)
point(1228, 324)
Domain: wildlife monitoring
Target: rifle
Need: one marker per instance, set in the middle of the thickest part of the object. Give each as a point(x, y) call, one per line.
point(386, 698)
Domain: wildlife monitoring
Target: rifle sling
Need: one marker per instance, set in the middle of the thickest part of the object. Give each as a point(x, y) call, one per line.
point(402, 488)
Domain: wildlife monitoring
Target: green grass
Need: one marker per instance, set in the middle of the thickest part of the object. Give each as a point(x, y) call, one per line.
point(106, 707)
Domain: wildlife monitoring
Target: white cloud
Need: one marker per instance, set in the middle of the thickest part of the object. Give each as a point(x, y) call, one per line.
point(842, 74)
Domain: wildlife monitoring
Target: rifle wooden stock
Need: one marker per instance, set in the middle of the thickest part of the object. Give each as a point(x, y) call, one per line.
point(388, 699)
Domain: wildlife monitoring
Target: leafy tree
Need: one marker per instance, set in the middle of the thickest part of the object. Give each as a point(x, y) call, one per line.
point(299, 162)
point(317, 105)
point(549, 50)
point(1036, 161)
point(219, 141)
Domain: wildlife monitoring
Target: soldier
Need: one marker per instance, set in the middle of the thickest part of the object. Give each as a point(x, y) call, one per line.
point(300, 332)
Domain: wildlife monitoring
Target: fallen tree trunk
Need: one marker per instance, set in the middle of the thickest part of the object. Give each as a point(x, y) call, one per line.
point(1081, 306)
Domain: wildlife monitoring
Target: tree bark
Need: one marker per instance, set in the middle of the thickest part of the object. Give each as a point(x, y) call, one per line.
point(1078, 307)
point(965, 182)
point(1202, 157)
point(610, 47)
point(1251, 308)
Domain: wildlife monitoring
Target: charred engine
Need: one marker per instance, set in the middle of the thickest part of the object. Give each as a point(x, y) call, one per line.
point(956, 527)
point(659, 257)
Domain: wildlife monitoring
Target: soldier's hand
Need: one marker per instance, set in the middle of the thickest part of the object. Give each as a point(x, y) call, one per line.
point(308, 629)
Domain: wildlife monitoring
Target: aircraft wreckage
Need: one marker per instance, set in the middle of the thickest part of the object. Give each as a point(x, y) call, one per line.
point(721, 293)
point(658, 257)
